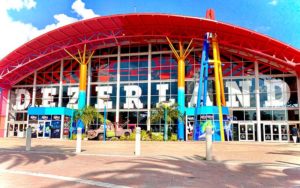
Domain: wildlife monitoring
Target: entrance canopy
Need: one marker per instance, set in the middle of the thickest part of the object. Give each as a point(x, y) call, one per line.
point(51, 111)
point(108, 31)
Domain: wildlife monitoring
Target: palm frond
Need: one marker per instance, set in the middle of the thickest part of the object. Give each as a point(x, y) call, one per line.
point(88, 114)
point(173, 113)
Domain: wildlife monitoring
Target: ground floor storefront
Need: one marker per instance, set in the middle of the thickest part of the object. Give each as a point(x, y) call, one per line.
point(243, 131)
point(269, 131)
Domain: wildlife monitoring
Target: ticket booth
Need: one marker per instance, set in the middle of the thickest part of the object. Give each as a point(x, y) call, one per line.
point(50, 122)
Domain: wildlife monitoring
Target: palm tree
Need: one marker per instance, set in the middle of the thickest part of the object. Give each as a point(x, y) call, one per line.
point(87, 115)
point(168, 112)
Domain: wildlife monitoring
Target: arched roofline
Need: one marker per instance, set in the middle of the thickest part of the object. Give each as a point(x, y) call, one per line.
point(122, 29)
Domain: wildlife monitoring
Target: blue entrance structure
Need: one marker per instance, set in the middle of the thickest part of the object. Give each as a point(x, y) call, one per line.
point(209, 115)
point(51, 122)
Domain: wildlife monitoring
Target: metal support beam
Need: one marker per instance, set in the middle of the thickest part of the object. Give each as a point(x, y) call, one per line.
point(257, 98)
point(149, 88)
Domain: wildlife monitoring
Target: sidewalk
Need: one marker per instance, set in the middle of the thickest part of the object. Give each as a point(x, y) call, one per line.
point(237, 151)
point(52, 163)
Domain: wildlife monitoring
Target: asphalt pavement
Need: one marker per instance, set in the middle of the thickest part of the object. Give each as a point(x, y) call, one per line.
point(54, 163)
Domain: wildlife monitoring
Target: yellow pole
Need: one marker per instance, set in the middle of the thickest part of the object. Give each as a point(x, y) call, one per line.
point(82, 77)
point(217, 85)
point(223, 102)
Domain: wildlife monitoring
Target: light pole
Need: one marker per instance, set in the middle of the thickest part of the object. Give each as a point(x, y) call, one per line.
point(105, 99)
point(165, 106)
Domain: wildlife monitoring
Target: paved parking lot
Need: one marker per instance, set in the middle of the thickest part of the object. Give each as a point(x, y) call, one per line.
point(54, 163)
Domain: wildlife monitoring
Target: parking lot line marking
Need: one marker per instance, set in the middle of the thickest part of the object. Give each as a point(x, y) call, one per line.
point(64, 178)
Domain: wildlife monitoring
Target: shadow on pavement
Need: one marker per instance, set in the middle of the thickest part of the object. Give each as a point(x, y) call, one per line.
point(287, 152)
point(17, 156)
point(290, 163)
point(189, 172)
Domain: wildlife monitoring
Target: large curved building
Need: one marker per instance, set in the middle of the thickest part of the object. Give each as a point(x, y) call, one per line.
point(134, 65)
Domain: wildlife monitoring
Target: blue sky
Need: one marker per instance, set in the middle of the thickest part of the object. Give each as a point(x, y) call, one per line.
point(279, 19)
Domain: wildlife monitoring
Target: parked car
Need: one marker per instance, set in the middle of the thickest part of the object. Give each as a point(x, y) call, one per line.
point(112, 130)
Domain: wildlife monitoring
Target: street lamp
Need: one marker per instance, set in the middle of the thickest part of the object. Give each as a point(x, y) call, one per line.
point(105, 99)
point(165, 105)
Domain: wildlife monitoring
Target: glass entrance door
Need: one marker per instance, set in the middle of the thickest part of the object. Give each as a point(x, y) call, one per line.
point(246, 132)
point(276, 132)
point(22, 128)
point(10, 130)
point(17, 129)
point(284, 136)
point(267, 132)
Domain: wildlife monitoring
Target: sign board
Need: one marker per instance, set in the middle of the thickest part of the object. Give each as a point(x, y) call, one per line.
point(56, 117)
point(44, 117)
point(33, 117)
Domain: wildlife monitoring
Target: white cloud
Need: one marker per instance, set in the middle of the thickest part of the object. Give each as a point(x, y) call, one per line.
point(273, 2)
point(15, 33)
point(61, 19)
point(18, 4)
point(79, 7)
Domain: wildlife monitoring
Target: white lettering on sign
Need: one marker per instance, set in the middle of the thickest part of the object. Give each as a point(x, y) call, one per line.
point(162, 92)
point(102, 92)
point(48, 97)
point(133, 94)
point(22, 99)
point(73, 93)
point(238, 95)
point(234, 92)
point(194, 98)
point(278, 92)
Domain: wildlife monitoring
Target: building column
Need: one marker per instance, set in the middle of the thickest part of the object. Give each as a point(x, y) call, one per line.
point(298, 94)
point(149, 88)
point(4, 101)
point(257, 98)
point(34, 89)
point(62, 127)
point(60, 94)
point(88, 98)
point(118, 85)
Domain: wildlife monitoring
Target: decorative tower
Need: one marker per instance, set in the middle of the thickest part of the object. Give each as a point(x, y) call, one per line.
point(210, 115)
point(83, 61)
point(181, 82)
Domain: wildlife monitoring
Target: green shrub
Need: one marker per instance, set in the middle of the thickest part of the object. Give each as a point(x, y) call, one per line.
point(123, 137)
point(114, 139)
point(145, 135)
point(173, 137)
point(157, 137)
point(74, 136)
point(148, 136)
point(132, 136)
point(110, 134)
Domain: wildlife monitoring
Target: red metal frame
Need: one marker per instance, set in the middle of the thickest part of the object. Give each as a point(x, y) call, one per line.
point(107, 31)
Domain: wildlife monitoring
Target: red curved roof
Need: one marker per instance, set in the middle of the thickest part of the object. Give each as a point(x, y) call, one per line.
point(106, 31)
